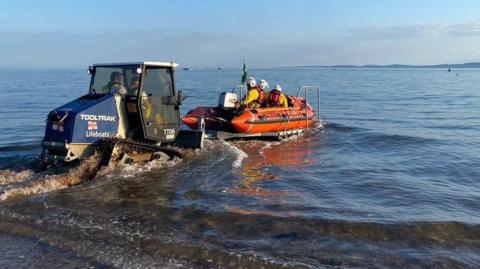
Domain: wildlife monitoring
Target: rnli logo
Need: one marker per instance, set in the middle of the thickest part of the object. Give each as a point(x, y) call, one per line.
point(92, 125)
point(89, 117)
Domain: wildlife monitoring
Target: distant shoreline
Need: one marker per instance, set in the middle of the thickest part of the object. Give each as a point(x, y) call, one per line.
point(445, 66)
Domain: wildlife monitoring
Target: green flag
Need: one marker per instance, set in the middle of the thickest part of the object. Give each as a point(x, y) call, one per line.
point(244, 73)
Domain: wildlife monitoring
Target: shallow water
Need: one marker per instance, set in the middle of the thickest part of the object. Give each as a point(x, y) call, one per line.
point(390, 182)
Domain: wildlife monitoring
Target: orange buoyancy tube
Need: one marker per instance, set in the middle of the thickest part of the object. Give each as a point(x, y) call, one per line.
point(277, 119)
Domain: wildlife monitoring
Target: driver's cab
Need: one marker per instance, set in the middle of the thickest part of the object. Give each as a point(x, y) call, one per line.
point(149, 101)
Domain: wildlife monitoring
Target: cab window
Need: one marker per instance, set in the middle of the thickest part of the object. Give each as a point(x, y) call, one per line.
point(157, 82)
point(102, 78)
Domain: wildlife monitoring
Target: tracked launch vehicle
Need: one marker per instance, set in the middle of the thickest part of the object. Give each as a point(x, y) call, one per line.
point(132, 111)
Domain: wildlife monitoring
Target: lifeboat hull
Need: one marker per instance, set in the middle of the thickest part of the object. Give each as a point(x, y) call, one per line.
point(262, 120)
point(299, 115)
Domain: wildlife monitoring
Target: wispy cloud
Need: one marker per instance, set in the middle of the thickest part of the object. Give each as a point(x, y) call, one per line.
point(413, 44)
point(471, 29)
point(464, 30)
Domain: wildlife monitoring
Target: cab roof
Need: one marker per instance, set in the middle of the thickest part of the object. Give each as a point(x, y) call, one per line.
point(162, 64)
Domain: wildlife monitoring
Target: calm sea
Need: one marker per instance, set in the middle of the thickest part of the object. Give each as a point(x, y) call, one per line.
point(392, 181)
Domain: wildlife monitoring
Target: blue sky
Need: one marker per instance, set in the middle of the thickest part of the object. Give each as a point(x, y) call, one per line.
point(72, 34)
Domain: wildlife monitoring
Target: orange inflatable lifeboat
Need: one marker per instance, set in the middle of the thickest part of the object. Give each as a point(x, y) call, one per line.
point(299, 115)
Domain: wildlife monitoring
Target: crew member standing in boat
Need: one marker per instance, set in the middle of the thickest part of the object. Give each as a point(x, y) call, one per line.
point(276, 98)
point(255, 96)
point(263, 86)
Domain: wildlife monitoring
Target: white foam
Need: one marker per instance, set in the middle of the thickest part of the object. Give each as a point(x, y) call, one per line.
point(55, 182)
point(9, 177)
point(267, 146)
point(160, 163)
point(239, 154)
point(48, 183)
point(131, 170)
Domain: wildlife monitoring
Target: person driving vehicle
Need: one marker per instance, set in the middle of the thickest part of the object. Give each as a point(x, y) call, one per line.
point(115, 85)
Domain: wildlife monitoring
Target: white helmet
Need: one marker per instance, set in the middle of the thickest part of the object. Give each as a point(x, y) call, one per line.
point(251, 82)
point(278, 88)
point(263, 84)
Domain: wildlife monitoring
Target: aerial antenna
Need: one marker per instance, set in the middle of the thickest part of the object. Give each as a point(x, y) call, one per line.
point(219, 87)
point(174, 19)
point(173, 49)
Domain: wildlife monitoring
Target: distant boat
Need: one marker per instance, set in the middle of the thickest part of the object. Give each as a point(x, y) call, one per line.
point(186, 68)
point(449, 70)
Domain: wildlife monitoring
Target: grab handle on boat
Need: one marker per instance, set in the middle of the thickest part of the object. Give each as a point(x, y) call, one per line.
point(305, 90)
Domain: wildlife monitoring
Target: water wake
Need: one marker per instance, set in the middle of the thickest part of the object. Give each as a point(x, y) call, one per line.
point(85, 171)
point(268, 145)
point(240, 155)
point(340, 127)
point(132, 170)
point(8, 177)
point(26, 182)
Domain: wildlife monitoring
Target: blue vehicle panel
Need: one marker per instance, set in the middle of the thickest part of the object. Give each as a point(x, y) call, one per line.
point(84, 120)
